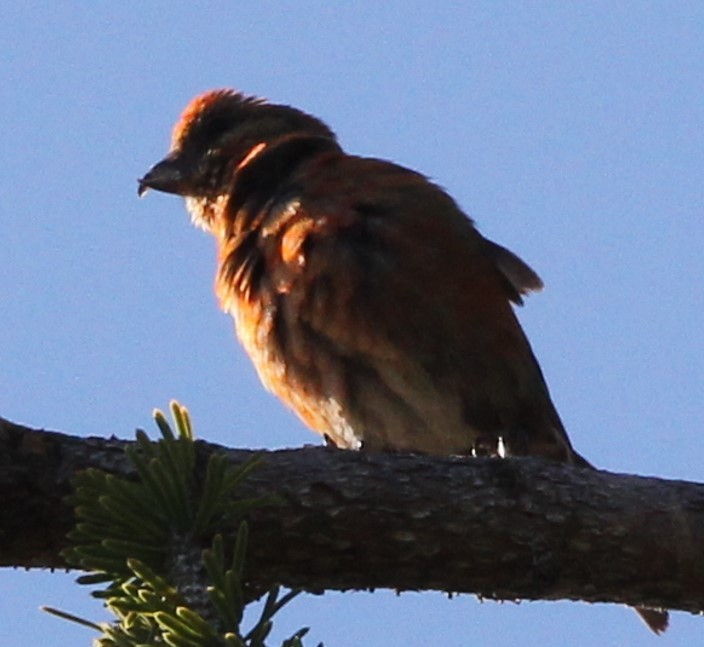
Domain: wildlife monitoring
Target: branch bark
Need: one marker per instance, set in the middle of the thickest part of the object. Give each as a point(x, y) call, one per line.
point(505, 529)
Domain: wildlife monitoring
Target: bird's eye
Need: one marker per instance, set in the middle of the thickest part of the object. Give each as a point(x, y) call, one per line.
point(212, 130)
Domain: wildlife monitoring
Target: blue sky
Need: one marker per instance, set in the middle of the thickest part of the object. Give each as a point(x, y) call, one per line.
point(573, 133)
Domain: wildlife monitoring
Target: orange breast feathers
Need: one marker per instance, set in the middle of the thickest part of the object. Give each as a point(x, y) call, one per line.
point(367, 300)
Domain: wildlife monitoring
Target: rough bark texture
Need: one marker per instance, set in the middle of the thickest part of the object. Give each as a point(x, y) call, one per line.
point(508, 529)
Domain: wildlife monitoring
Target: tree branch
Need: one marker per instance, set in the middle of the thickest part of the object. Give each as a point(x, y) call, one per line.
point(507, 529)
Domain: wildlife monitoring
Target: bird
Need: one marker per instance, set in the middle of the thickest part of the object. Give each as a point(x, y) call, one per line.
point(367, 300)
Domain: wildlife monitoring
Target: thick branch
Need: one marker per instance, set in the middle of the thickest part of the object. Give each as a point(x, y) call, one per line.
point(515, 528)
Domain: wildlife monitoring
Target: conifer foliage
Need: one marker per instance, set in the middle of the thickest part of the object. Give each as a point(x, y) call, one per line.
point(142, 540)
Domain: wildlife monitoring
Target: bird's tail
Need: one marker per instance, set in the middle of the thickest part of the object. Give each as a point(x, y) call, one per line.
point(579, 461)
point(656, 619)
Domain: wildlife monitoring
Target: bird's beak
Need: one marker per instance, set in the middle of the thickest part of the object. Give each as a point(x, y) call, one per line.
point(166, 176)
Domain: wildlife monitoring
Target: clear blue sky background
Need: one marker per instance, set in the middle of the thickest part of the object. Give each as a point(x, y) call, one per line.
point(573, 132)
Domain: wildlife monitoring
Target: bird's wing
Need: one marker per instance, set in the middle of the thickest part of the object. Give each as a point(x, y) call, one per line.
point(389, 274)
point(519, 277)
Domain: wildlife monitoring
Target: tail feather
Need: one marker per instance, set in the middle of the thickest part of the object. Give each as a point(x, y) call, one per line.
point(579, 461)
point(656, 619)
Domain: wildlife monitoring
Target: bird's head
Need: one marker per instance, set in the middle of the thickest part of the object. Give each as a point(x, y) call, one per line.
point(217, 133)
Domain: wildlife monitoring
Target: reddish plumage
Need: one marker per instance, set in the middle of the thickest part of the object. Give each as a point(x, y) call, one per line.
point(366, 298)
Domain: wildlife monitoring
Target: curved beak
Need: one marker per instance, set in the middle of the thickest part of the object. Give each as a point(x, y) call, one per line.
point(166, 176)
